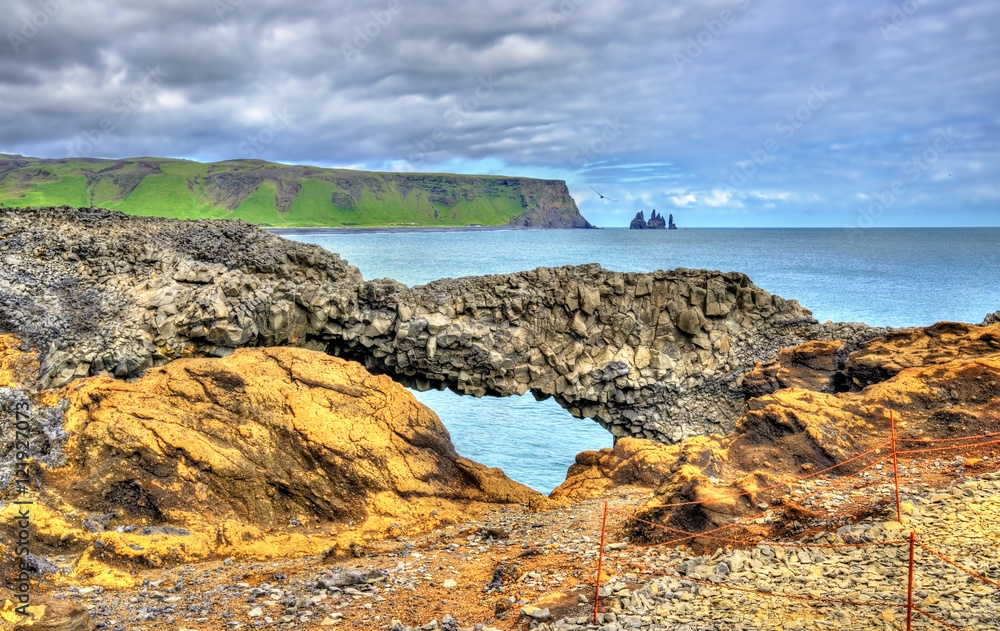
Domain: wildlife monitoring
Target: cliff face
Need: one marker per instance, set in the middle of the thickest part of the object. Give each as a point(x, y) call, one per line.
point(287, 195)
point(656, 355)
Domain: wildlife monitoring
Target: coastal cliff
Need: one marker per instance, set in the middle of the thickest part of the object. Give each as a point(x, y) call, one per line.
point(280, 195)
point(658, 355)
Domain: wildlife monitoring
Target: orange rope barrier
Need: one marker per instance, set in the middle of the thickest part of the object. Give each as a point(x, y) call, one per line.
point(947, 440)
point(697, 535)
point(912, 541)
point(908, 452)
point(778, 486)
point(950, 562)
point(600, 559)
point(936, 619)
point(895, 466)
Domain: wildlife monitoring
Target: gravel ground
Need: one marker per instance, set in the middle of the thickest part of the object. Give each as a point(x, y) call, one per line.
point(490, 574)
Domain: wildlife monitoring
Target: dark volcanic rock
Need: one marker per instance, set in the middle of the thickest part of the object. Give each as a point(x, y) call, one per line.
point(657, 355)
point(656, 222)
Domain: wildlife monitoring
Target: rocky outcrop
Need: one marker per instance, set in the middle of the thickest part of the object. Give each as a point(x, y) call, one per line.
point(254, 454)
point(658, 355)
point(940, 382)
point(670, 223)
point(656, 222)
point(813, 366)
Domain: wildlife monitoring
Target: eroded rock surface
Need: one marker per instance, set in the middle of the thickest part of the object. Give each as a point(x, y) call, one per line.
point(656, 355)
point(251, 454)
point(941, 381)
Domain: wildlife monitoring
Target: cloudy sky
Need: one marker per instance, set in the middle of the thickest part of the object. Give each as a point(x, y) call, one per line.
point(723, 112)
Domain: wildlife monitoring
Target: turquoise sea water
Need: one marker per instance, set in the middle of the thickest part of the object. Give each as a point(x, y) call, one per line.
point(886, 277)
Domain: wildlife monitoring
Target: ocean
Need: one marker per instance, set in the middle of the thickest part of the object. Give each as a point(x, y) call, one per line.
point(886, 277)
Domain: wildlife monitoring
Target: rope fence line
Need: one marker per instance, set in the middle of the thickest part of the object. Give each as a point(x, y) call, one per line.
point(947, 440)
point(908, 452)
point(873, 450)
point(936, 619)
point(950, 562)
point(741, 522)
point(912, 542)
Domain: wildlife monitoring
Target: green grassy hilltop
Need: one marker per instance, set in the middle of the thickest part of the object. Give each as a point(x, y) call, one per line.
point(279, 195)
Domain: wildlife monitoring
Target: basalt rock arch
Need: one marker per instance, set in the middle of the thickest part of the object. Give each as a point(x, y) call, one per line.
point(658, 355)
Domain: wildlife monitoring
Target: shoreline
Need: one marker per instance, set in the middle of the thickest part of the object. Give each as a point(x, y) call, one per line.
point(370, 229)
point(387, 229)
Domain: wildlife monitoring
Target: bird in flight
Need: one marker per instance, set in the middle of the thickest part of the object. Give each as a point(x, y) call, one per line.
point(602, 196)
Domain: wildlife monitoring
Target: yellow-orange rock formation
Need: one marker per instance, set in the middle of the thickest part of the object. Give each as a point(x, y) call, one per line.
point(276, 451)
point(942, 381)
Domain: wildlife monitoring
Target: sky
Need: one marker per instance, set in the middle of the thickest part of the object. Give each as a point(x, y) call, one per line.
point(840, 113)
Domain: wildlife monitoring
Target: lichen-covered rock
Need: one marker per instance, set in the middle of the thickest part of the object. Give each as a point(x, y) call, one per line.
point(950, 386)
point(267, 452)
point(44, 613)
point(812, 366)
point(260, 436)
point(898, 350)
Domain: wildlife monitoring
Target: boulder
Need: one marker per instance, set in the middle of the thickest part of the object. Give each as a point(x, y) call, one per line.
point(690, 321)
point(266, 452)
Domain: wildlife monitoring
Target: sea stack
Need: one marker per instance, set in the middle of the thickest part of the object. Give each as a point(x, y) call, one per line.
point(656, 221)
point(670, 222)
point(639, 222)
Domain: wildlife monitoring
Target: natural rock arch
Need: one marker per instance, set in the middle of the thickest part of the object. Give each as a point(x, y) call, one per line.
point(657, 355)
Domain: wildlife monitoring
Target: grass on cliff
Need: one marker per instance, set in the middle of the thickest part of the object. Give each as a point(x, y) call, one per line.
point(258, 192)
